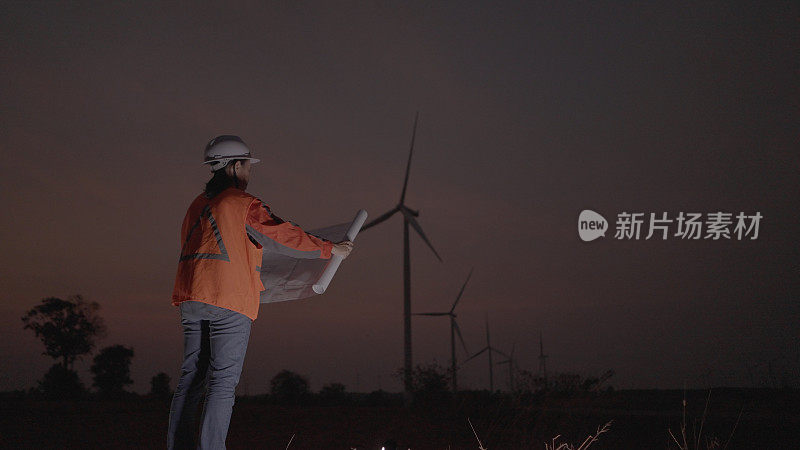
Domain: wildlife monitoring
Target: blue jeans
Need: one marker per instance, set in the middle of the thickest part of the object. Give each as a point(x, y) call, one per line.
point(215, 342)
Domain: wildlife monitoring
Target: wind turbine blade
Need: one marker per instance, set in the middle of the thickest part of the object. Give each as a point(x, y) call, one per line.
point(408, 166)
point(476, 354)
point(487, 331)
point(458, 332)
point(379, 219)
point(431, 314)
point(416, 226)
point(461, 292)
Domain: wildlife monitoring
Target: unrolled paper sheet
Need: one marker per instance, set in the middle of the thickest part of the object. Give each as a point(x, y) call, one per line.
point(286, 278)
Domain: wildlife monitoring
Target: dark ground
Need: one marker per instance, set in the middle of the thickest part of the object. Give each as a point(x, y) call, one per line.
point(641, 420)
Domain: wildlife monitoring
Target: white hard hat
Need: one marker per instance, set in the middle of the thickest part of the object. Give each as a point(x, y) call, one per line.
point(225, 148)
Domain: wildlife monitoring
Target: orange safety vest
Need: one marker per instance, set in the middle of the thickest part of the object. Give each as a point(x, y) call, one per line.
point(218, 262)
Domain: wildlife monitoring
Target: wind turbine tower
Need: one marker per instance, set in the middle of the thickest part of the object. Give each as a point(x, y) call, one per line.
point(542, 361)
point(490, 349)
point(408, 219)
point(511, 365)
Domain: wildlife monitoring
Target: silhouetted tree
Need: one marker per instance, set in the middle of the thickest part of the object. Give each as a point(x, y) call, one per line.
point(68, 328)
point(288, 387)
point(333, 389)
point(61, 383)
point(562, 384)
point(333, 393)
point(430, 379)
point(112, 370)
point(383, 398)
point(429, 382)
point(528, 382)
point(159, 386)
point(567, 383)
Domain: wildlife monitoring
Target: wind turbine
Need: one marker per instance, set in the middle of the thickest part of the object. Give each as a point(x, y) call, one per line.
point(511, 364)
point(408, 218)
point(453, 330)
point(542, 361)
point(490, 349)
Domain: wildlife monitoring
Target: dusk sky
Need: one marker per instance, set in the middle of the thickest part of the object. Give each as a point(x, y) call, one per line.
point(529, 113)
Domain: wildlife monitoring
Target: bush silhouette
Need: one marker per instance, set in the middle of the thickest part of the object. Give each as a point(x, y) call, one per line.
point(159, 386)
point(333, 394)
point(112, 371)
point(60, 383)
point(430, 379)
point(288, 387)
point(429, 382)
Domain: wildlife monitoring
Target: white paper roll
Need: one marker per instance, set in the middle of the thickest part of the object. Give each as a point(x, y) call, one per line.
point(333, 266)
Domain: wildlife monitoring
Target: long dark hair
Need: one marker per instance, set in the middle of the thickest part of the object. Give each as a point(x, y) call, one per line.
point(221, 181)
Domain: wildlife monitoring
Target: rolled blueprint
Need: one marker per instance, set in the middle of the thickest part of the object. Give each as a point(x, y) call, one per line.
point(333, 266)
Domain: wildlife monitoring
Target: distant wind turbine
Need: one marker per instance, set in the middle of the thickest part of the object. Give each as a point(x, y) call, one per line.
point(512, 364)
point(453, 331)
point(542, 361)
point(490, 349)
point(408, 218)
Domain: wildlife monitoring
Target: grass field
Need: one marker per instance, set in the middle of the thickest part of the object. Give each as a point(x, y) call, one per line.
point(641, 420)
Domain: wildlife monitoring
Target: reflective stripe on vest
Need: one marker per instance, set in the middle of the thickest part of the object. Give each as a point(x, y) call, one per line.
point(223, 253)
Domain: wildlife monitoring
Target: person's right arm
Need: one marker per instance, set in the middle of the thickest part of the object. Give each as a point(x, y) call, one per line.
point(277, 235)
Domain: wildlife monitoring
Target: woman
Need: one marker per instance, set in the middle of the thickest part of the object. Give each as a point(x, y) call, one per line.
point(217, 289)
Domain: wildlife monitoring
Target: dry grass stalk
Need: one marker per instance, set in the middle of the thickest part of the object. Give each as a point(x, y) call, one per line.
point(480, 444)
point(584, 445)
point(711, 443)
point(702, 422)
point(734, 428)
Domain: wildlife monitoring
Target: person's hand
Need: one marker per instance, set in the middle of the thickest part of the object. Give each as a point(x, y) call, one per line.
point(342, 248)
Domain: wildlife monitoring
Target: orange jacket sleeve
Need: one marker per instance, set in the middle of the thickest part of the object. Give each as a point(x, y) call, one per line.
point(276, 235)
